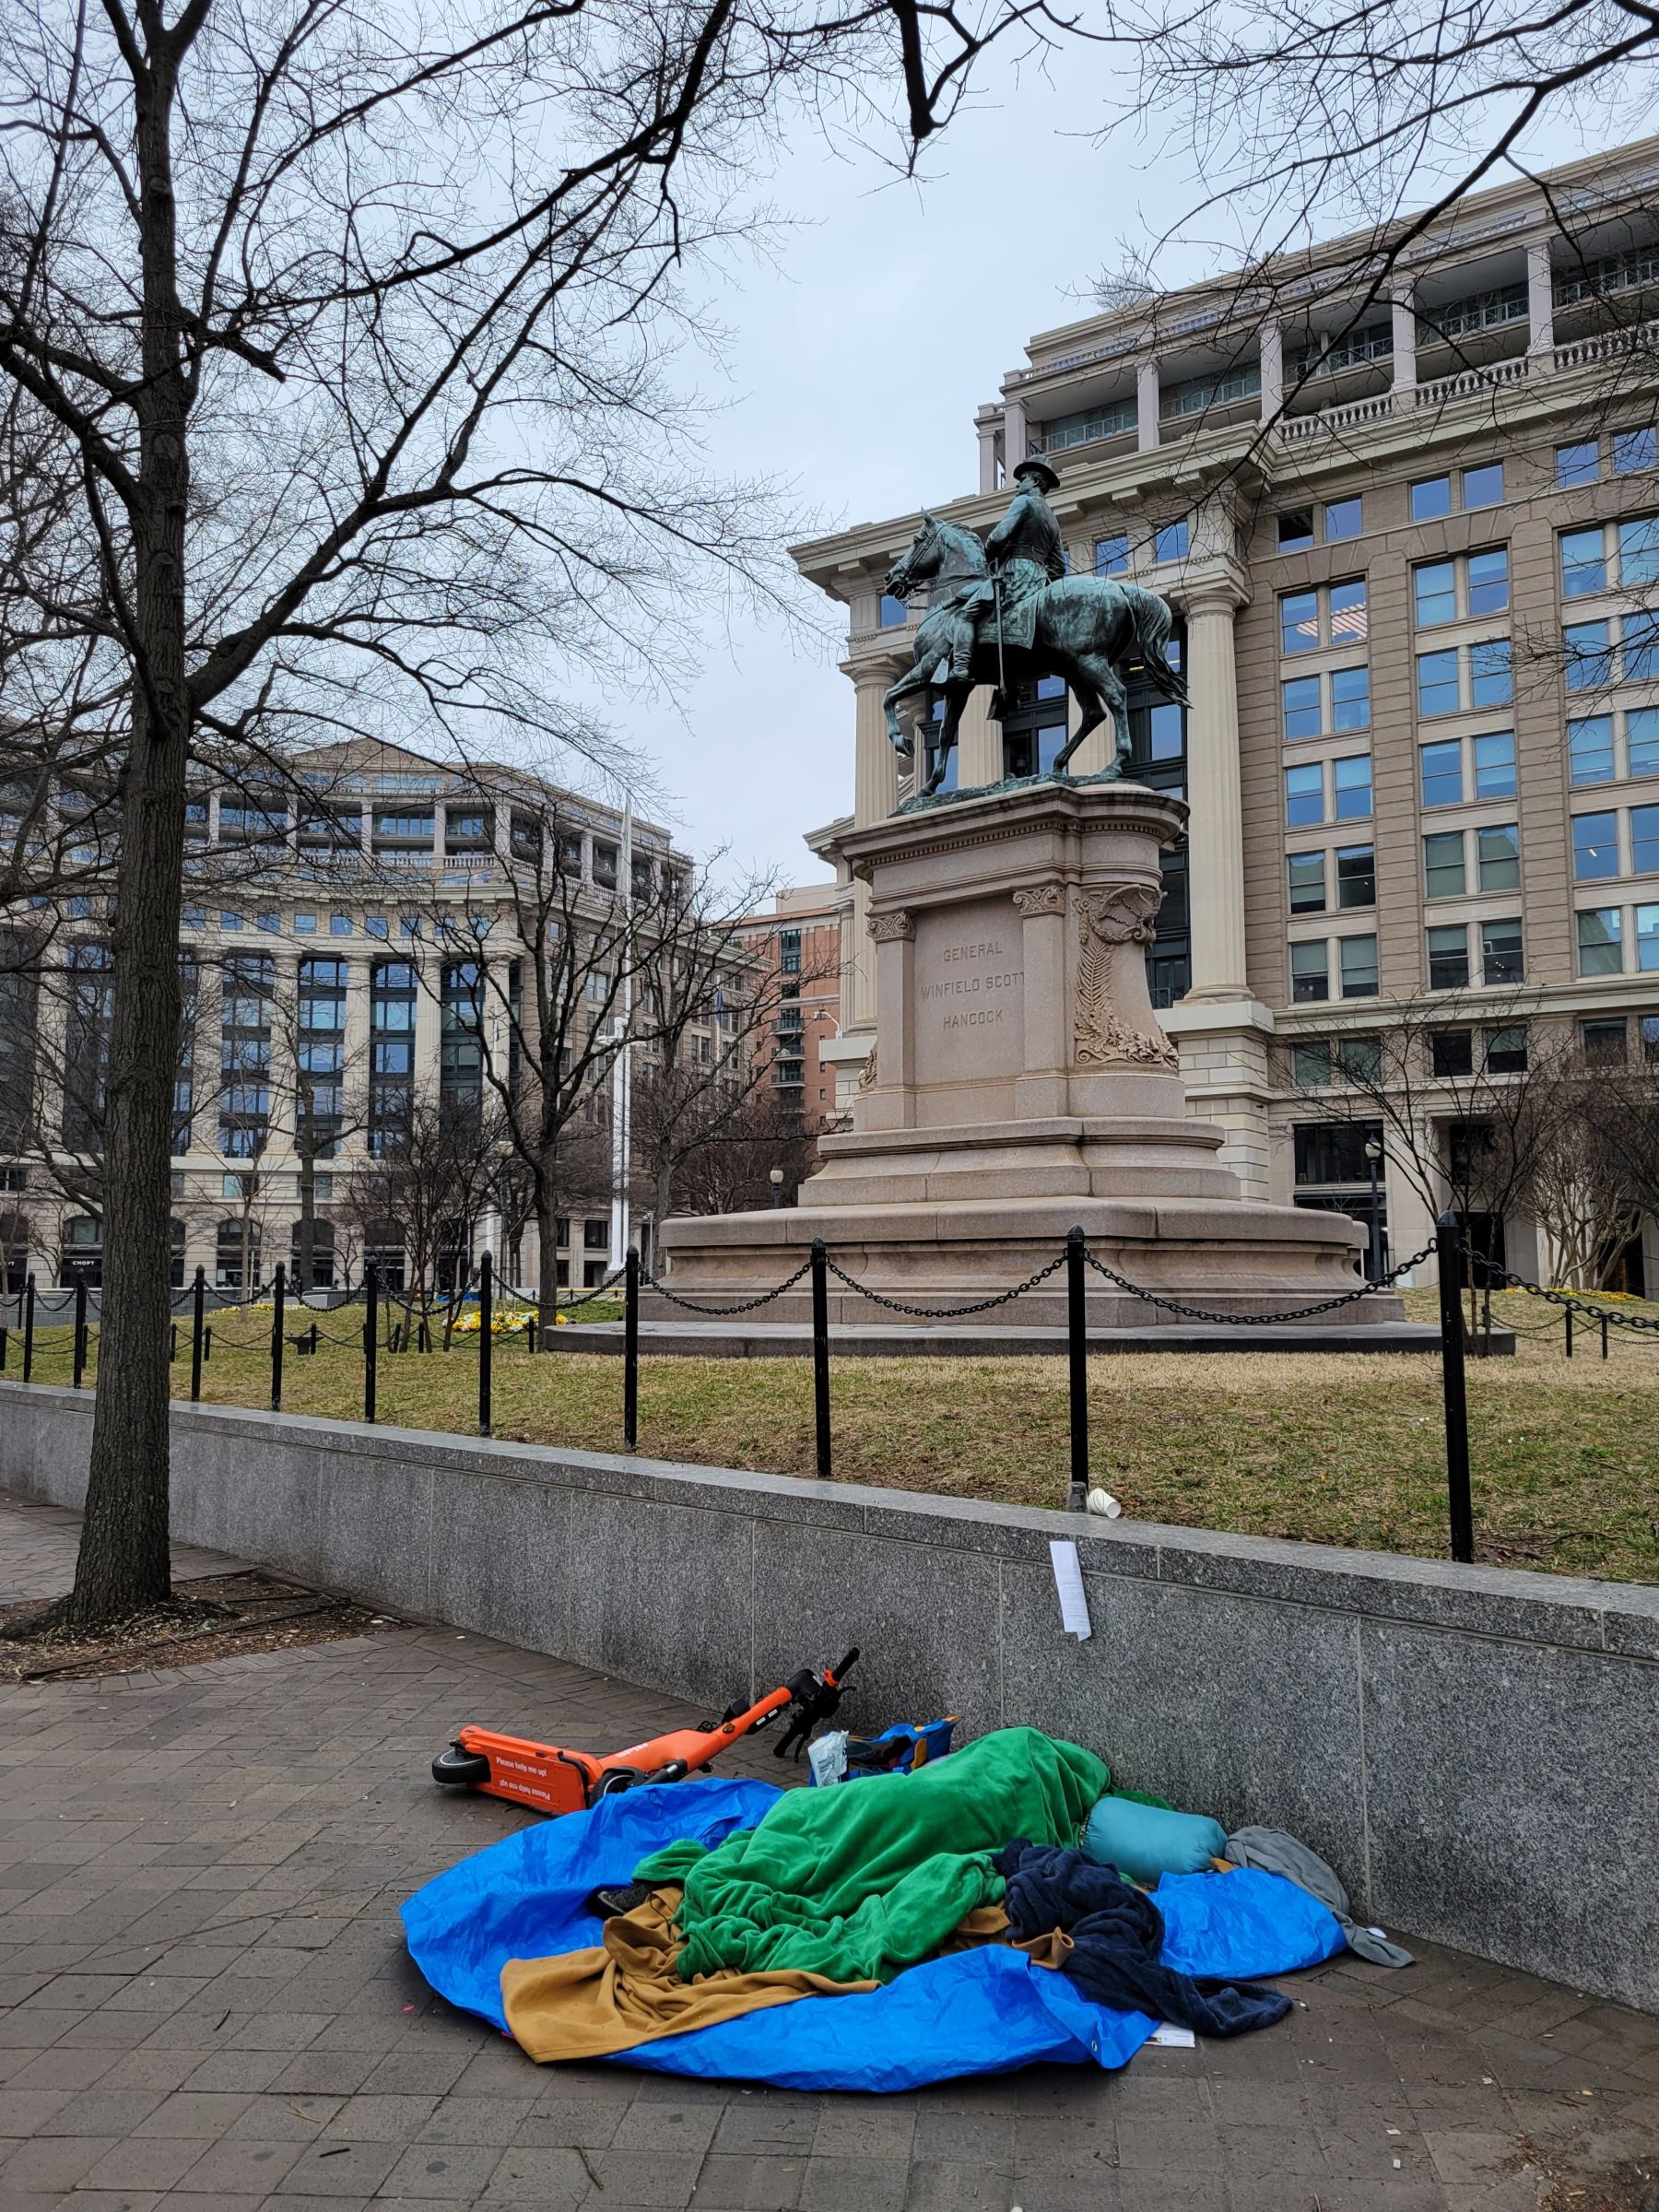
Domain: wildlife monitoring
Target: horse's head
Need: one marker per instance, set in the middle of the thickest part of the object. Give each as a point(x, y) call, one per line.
point(921, 562)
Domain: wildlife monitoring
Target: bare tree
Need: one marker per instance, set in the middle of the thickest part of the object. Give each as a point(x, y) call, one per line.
point(1456, 1085)
point(343, 329)
point(426, 1191)
point(708, 1006)
point(541, 988)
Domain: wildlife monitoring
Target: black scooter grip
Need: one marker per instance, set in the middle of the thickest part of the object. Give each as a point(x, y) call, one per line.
point(841, 1672)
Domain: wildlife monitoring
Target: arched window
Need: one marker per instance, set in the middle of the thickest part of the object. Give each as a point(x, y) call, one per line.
point(236, 1256)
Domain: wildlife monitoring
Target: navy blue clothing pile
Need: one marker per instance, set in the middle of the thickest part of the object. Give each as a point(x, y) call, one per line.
point(1117, 1933)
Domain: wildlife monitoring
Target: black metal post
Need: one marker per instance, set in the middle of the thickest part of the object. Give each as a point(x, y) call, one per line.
point(28, 1306)
point(207, 1342)
point(1569, 1332)
point(80, 1330)
point(1077, 1334)
point(370, 1336)
point(1448, 1240)
point(197, 1303)
point(278, 1308)
point(631, 1349)
point(1376, 1227)
point(172, 1345)
point(820, 1359)
point(486, 1340)
point(314, 1332)
point(4, 1342)
point(1604, 1320)
point(530, 1331)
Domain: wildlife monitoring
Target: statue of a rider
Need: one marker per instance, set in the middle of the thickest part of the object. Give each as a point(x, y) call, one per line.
point(1026, 553)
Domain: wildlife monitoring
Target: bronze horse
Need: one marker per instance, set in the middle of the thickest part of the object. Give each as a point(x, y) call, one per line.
point(1086, 629)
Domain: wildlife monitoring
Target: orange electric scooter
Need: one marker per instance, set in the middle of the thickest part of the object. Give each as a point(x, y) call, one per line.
point(550, 1780)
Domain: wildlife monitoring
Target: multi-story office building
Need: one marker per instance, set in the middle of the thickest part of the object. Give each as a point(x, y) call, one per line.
point(324, 957)
point(799, 942)
point(1412, 547)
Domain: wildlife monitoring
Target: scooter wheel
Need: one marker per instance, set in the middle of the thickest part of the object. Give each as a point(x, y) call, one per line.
point(459, 1769)
point(615, 1780)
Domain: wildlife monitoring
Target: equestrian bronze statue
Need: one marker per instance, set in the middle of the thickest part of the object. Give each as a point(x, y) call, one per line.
point(1002, 610)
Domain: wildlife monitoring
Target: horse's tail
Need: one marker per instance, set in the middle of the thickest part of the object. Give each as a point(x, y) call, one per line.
point(1152, 626)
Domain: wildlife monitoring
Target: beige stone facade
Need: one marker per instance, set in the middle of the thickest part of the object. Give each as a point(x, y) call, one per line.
point(323, 933)
point(1415, 551)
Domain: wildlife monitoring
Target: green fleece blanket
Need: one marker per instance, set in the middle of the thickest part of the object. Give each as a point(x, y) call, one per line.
point(858, 1881)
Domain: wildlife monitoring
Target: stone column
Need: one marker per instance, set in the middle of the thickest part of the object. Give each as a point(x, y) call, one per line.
point(1221, 1031)
point(1015, 435)
point(1042, 1087)
point(1540, 296)
point(1146, 402)
point(1404, 337)
point(875, 794)
point(1273, 369)
point(1216, 834)
point(888, 1102)
point(987, 427)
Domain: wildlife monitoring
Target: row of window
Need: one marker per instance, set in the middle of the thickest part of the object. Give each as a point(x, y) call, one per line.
point(1355, 868)
point(1312, 968)
point(1456, 862)
point(1470, 491)
point(1597, 754)
point(1454, 768)
point(1602, 938)
point(1458, 679)
point(1609, 555)
point(1624, 648)
point(1632, 451)
point(304, 924)
point(1499, 1050)
point(1328, 791)
point(1622, 842)
point(1459, 954)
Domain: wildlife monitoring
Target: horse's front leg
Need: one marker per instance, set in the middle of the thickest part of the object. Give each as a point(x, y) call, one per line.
point(956, 698)
point(914, 679)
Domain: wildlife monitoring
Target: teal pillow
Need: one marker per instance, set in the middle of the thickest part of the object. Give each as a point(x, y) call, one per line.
point(1144, 1840)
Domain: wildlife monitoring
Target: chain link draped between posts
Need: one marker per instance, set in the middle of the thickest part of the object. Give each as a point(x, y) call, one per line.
point(1256, 1321)
point(1458, 1261)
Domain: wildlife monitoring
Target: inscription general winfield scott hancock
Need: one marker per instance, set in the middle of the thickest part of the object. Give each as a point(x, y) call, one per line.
point(988, 983)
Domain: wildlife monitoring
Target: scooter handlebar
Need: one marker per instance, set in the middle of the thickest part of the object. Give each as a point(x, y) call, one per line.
point(840, 1670)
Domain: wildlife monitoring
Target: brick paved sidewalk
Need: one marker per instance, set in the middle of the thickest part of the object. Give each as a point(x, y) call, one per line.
point(207, 2001)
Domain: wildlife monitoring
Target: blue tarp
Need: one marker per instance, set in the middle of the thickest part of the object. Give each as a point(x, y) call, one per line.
point(983, 2012)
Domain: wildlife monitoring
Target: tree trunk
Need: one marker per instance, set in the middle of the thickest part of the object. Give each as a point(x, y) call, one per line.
point(546, 1254)
point(123, 1562)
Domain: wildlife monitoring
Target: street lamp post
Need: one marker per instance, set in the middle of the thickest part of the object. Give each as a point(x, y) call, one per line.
point(1373, 1158)
point(776, 1179)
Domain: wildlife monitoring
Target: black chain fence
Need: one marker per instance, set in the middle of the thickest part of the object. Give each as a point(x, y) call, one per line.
point(1459, 1264)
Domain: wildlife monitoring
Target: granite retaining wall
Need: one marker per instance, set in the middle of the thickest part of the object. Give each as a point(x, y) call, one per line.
point(1475, 1750)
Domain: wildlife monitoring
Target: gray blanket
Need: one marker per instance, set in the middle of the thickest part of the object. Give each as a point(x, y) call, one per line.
point(1273, 1853)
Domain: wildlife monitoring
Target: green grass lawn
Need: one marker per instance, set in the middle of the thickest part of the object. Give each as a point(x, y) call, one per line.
point(1344, 1449)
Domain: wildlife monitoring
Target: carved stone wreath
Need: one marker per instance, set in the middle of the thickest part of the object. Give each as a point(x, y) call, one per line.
point(866, 1080)
point(1118, 915)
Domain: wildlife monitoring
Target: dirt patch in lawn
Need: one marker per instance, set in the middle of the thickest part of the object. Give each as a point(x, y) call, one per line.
point(214, 1617)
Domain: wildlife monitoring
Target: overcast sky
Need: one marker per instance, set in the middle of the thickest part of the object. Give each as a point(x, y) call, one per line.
point(855, 369)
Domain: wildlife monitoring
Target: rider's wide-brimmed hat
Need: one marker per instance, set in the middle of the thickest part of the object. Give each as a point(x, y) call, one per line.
point(1035, 465)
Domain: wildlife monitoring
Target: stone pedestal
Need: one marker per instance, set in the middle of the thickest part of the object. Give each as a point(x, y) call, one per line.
point(1021, 1085)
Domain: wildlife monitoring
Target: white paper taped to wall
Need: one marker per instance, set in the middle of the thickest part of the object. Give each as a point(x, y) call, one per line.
point(1068, 1583)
